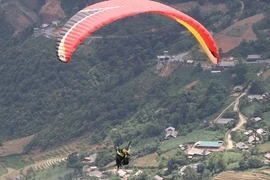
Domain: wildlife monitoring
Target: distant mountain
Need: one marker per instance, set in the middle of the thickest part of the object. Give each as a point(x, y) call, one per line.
point(21, 14)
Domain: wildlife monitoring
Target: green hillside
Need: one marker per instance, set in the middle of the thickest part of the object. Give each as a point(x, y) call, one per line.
point(108, 83)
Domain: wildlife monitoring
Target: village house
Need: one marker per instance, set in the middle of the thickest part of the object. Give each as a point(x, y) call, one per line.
point(138, 173)
point(267, 156)
point(226, 64)
point(122, 173)
point(89, 160)
point(230, 58)
point(196, 152)
point(238, 89)
point(157, 177)
point(257, 97)
point(193, 166)
point(251, 139)
point(96, 173)
point(266, 95)
point(162, 60)
point(261, 132)
point(56, 23)
point(215, 71)
point(249, 132)
point(190, 61)
point(208, 144)
point(256, 119)
point(253, 57)
point(170, 133)
point(241, 146)
point(182, 147)
point(224, 120)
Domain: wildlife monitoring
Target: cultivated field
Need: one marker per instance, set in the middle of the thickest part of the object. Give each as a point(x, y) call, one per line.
point(147, 161)
point(232, 36)
point(15, 146)
point(232, 175)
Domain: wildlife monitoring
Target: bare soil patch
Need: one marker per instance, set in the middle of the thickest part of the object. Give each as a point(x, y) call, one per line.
point(15, 146)
point(168, 69)
point(190, 85)
point(266, 74)
point(18, 15)
point(146, 161)
point(51, 11)
point(232, 36)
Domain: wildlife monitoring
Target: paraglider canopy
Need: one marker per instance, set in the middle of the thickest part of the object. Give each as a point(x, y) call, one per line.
point(93, 17)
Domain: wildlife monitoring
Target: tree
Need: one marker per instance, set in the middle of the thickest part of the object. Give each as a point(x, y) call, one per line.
point(257, 87)
point(255, 162)
point(104, 157)
point(190, 174)
point(240, 71)
point(206, 175)
point(242, 164)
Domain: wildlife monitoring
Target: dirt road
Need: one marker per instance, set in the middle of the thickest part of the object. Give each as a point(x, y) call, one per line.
point(242, 121)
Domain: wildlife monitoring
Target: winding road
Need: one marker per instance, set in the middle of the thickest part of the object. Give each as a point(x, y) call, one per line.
point(240, 124)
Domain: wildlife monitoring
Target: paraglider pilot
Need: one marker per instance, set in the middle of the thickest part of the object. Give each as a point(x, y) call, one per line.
point(122, 156)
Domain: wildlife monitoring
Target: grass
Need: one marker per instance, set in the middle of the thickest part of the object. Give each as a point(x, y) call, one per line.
point(266, 118)
point(194, 136)
point(15, 161)
point(3, 170)
point(149, 160)
point(229, 100)
point(265, 147)
point(231, 158)
point(52, 173)
point(250, 110)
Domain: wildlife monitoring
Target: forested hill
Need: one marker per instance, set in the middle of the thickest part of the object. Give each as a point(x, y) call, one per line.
point(110, 83)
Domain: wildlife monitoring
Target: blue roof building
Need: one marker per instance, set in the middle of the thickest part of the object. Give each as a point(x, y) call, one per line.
point(208, 144)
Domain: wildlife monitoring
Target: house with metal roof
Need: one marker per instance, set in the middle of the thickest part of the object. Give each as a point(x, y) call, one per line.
point(208, 144)
point(226, 64)
point(253, 57)
point(224, 120)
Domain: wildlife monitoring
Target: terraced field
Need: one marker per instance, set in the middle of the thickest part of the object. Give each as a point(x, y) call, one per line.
point(49, 158)
point(232, 175)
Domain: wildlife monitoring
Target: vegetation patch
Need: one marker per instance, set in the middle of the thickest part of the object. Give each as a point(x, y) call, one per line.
point(266, 117)
point(15, 161)
point(231, 158)
point(3, 170)
point(249, 111)
point(196, 135)
point(54, 172)
point(147, 161)
point(265, 147)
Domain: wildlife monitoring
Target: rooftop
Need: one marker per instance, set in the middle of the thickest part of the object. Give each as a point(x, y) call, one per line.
point(224, 120)
point(241, 145)
point(226, 63)
point(254, 56)
point(213, 144)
